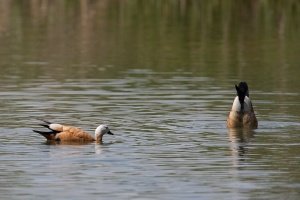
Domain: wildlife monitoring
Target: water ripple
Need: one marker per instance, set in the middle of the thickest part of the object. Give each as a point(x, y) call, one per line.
point(170, 141)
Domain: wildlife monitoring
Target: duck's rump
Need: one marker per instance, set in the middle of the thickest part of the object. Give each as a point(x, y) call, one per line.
point(239, 120)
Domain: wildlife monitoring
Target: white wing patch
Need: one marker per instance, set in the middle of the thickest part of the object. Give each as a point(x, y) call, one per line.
point(56, 127)
point(236, 106)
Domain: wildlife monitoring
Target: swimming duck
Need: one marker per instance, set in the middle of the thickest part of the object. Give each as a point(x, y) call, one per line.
point(242, 113)
point(60, 132)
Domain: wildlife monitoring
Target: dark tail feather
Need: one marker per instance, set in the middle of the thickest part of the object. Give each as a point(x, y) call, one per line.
point(43, 132)
point(46, 132)
point(242, 88)
point(50, 135)
point(242, 91)
point(48, 127)
point(47, 122)
point(241, 94)
point(45, 125)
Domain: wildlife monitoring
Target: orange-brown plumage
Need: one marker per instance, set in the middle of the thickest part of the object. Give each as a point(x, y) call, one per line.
point(72, 133)
point(60, 132)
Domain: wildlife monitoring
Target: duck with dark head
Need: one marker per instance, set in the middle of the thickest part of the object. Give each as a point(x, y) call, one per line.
point(242, 114)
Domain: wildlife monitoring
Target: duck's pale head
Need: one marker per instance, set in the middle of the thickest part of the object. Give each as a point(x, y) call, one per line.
point(100, 131)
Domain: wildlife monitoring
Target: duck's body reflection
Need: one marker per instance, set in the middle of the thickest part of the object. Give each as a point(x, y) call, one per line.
point(98, 145)
point(239, 140)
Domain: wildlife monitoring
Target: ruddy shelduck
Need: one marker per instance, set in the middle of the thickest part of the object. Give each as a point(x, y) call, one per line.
point(60, 132)
point(242, 113)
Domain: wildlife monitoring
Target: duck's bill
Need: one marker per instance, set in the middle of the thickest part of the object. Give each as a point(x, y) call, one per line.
point(110, 133)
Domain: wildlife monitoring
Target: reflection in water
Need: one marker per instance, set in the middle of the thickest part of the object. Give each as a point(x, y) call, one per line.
point(98, 148)
point(98, 145)
point(239, 139)
point(156, 69)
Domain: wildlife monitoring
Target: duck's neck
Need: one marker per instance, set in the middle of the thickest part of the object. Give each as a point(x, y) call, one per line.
point(99, 139)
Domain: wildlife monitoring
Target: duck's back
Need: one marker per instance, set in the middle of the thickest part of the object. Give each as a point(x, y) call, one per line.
point(71, 133)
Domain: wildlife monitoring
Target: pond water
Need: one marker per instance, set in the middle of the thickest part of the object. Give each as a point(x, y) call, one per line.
point(161, 74)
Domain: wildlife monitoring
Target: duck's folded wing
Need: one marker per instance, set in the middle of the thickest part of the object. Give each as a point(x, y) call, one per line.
point(73, 133)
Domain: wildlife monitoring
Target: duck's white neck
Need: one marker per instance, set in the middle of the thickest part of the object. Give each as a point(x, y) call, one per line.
point(98, 136)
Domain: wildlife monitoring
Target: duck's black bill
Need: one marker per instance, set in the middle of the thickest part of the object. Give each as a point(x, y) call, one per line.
point(110, 133)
